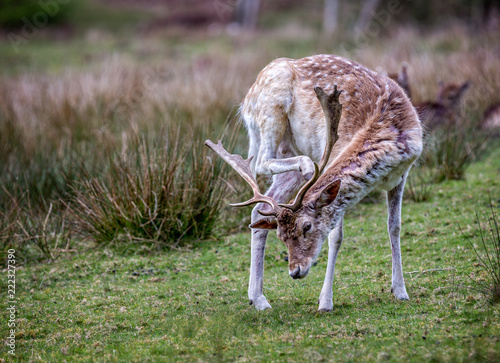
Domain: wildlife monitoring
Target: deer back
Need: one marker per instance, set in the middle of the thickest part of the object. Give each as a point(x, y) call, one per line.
point(282, 101)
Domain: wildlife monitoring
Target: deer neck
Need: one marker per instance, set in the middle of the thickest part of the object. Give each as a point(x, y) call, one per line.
point(358, 175)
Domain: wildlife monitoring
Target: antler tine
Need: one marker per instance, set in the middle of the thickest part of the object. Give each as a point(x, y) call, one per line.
point(297, 203)
point(242, 167)
point(332, 109)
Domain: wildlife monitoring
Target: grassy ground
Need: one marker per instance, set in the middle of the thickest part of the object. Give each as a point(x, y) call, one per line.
point(191, 305)
point(82, 114)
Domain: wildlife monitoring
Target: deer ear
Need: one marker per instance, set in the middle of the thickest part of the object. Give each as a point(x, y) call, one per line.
point(266, 223)
point(328, 194)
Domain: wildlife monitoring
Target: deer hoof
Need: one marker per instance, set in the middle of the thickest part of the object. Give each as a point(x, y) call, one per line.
point(307, 168)
point(400, 293)
point(260, 303)
point(325, 306)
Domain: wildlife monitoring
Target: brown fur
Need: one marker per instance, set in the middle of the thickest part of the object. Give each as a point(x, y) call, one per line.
point(365, 98)
point(443, 111)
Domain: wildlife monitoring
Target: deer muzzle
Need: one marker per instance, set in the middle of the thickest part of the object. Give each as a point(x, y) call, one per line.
point(299, 272)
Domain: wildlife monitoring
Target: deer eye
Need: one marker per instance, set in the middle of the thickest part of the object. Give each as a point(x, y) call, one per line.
point(307, 226)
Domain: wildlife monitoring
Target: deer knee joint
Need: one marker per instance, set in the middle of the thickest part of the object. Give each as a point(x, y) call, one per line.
point(395, 229)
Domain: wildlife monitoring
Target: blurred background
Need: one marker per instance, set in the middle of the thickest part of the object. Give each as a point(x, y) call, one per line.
point(151, 30)
point(104, 105)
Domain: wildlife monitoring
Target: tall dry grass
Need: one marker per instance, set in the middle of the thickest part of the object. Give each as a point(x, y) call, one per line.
point(88, 154)
point(69, 145)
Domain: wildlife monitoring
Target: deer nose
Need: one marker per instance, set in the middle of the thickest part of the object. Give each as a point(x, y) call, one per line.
point(295, 274)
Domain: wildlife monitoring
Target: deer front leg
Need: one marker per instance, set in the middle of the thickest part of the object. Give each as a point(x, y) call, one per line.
point(256, 283)
point(334, 242)
point(394, 200)
point(283, 187)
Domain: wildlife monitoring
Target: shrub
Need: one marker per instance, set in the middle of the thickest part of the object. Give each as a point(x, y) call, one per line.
point(487, 252)
point(18, 13)
point(34, 233)
point(453, 147)
point(419, 184)
point(163, 191)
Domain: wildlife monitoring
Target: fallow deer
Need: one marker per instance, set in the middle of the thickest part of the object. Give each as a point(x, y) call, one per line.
point(444, 110)
point(365, 136)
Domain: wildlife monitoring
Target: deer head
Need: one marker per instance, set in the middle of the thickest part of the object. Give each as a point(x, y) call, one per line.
point(304, 224)
point(450, 94)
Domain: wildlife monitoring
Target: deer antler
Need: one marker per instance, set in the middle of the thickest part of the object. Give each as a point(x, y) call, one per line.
point(332, 109)
point(242, 167)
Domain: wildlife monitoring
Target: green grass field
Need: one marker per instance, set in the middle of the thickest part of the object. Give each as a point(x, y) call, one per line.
point(124, 244)
point(191, 305)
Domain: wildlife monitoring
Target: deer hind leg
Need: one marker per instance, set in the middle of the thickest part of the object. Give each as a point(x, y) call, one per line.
point(334, 242)
point(266, 111)
point(302, 164)
point(284, 186)
point(274, 150)
point(394, 200)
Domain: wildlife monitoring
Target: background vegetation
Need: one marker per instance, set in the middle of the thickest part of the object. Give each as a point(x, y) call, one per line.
point(102, 121)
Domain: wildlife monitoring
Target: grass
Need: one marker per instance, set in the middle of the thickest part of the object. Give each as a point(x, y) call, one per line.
point(80, 118)
point(86, 129)
point(452, 149)
point(419, 184)
point(156, 190)
point(487, 251)
point(117, 150)
point(191, 305)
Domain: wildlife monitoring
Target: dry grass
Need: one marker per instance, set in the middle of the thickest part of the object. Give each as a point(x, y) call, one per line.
point(487, 250)
point(68, 140)
point(156, 191)
point(65, 138)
